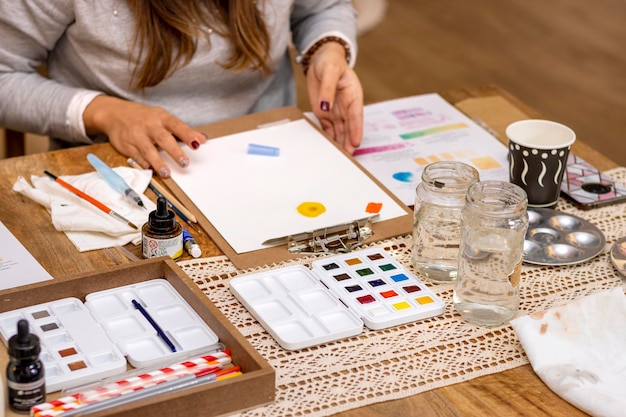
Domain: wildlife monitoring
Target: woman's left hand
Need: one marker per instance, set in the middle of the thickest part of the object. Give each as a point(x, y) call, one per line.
point(336, 95)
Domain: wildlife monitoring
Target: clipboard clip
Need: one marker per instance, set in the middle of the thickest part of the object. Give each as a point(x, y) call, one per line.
point(342, 238)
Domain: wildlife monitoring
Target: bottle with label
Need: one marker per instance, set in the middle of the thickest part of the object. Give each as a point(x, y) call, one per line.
point(25, 372)
point(439, 199)
point(493, 228)
point(162, 235)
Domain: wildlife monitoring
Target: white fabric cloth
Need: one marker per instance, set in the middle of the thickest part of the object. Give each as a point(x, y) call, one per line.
point(84, 224)
point(579, 350)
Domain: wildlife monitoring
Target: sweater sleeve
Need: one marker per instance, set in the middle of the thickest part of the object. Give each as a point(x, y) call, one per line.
point(28, 101)
point(313, 20)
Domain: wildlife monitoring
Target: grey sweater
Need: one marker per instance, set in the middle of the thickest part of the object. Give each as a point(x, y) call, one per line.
point(85, 45)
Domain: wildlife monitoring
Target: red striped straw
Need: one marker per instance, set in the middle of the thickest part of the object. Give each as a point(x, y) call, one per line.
point(201, 365)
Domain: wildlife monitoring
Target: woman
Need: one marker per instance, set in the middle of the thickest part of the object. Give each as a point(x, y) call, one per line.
point(141, 72)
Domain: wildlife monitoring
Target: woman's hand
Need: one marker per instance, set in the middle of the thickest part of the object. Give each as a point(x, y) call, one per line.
point(139, 131)
point(336, 95)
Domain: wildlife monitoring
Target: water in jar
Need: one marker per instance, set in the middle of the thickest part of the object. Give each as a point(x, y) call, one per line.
point(439, 200)
point(490, 266)
point(436, 235)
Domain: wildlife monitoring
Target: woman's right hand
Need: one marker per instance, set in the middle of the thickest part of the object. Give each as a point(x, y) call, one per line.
point(139, 131)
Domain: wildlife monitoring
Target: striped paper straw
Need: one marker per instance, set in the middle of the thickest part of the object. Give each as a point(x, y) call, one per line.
point(187, 381)
point(52, 408)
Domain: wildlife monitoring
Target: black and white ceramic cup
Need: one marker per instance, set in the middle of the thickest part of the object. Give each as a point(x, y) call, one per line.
point(538, 151)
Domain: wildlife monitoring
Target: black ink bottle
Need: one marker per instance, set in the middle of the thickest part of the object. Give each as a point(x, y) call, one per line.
point(25, 373)
point(162, 235)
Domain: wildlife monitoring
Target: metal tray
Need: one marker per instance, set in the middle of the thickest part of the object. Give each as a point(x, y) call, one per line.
point(557, 238)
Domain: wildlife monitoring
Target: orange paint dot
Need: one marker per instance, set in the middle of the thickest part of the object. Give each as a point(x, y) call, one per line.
point(373, 208)
point(311, 209)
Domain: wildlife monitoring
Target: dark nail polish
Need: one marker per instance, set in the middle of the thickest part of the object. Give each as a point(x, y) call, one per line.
point(195, 144)
point(325, 106)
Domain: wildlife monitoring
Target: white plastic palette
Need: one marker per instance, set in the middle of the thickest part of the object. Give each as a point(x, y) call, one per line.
point(73, 347)
point(302, 308)
point(84, 342)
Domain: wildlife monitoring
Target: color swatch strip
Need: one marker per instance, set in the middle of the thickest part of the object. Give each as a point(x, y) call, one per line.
point(433, 130)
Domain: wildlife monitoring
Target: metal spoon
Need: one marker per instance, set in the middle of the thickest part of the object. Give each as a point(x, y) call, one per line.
point(618, 255)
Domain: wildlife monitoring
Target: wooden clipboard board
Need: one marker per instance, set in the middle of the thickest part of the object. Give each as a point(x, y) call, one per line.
point(382, 230)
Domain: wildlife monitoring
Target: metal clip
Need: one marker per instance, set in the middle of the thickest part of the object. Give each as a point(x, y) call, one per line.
point(342, 238)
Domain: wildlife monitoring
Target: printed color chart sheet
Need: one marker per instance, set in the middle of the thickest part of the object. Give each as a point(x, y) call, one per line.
point(402, 136)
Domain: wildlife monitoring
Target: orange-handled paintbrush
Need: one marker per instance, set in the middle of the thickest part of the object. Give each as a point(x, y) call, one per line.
point(90, 199)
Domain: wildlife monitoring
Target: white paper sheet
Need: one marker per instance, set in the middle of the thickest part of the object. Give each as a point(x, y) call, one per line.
point(252, 198)
point(402, 136)
point(17, 266)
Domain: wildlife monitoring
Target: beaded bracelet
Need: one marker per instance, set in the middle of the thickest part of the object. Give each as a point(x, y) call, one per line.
point(305, 60)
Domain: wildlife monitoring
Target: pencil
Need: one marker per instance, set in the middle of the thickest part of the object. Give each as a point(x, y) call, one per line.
point(90, 199)
point(173, 207)
point(168, 196)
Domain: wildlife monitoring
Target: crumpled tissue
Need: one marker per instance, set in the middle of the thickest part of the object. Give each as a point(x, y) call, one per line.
point(579, 351)
point(88, 227)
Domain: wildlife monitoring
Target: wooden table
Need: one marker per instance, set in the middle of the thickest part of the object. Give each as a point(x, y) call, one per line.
point(515, 392)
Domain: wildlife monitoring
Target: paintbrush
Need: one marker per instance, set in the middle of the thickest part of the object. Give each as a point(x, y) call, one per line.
point(90, 199)
point(114, 180)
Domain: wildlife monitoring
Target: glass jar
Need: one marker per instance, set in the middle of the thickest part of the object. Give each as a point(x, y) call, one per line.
point(439, 199)
point(493, 228)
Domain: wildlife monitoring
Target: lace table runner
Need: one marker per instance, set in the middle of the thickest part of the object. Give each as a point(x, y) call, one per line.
point(408, 359)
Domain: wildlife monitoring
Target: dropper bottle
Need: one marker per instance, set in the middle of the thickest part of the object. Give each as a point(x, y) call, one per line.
point(162, 235)
point(25, 372)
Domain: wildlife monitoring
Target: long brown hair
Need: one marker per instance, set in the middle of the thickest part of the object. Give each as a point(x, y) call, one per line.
point(167, 32)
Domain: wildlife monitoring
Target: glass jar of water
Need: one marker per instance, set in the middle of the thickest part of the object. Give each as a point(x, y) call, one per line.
point(493, 228)
point(439, 199)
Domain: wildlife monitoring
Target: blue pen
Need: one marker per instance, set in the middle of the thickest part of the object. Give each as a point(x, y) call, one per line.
point(114, 179)
point(154, 324)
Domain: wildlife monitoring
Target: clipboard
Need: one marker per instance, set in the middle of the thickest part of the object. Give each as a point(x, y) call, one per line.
point(381, 230)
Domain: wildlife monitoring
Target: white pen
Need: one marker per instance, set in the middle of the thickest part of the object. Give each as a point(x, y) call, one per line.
point(190, 244)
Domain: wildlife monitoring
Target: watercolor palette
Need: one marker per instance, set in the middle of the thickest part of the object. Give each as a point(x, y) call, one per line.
point(83, 342)
point(74, 348)
point(557, 238)
point(303, 307)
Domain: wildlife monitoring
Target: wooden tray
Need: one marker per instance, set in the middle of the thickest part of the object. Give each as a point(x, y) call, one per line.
point(255, 387)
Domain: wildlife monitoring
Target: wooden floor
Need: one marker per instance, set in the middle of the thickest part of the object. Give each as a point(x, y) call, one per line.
point(565, 58)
